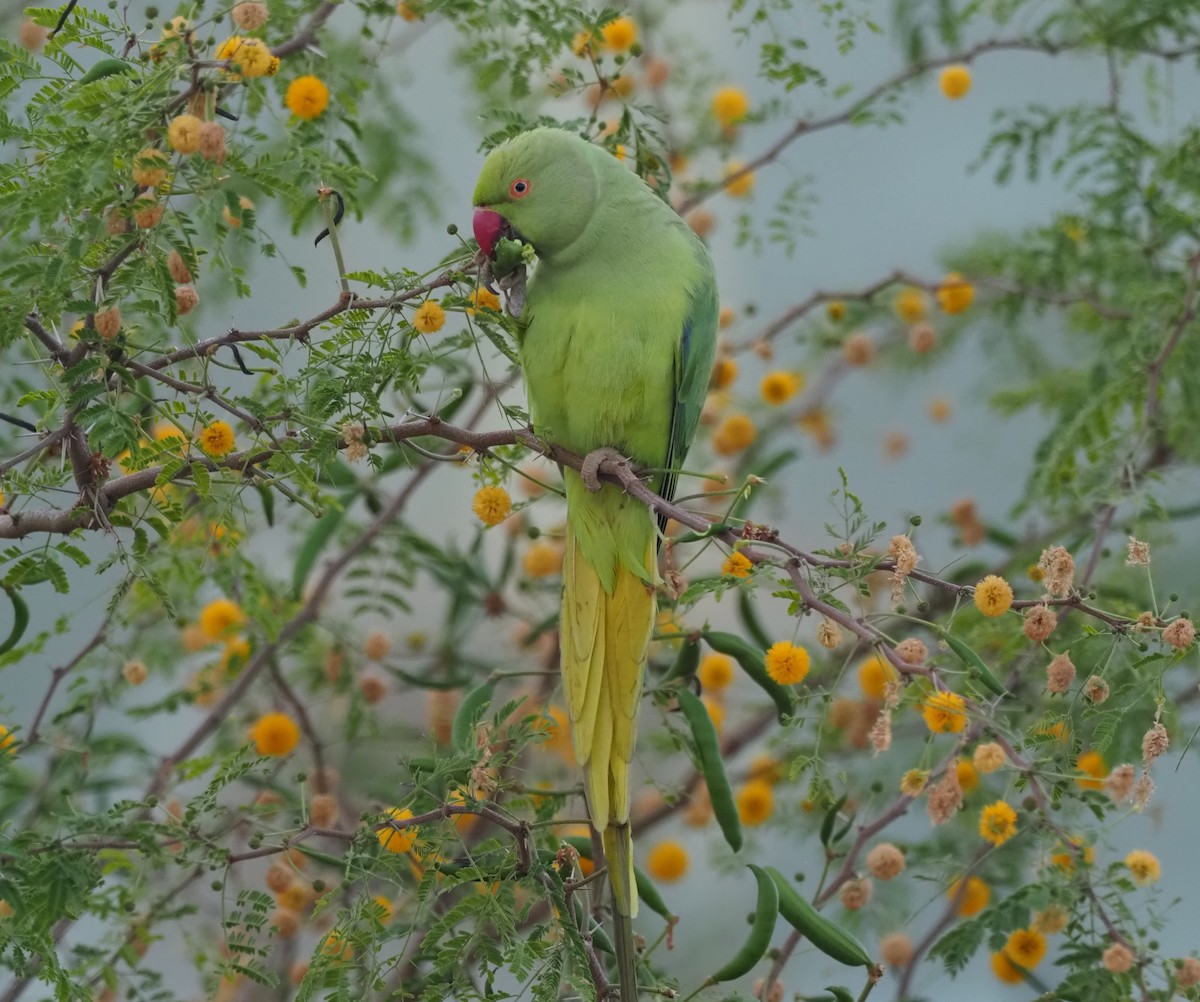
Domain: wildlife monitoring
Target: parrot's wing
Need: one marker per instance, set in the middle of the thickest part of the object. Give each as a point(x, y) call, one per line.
point(692, 369)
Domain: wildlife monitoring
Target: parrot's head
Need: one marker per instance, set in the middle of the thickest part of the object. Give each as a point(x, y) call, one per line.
point(539, 187)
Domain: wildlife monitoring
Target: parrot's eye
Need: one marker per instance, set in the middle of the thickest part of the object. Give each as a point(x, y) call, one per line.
point(519, 188)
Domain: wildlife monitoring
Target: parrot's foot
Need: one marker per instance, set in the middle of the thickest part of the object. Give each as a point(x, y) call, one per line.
point(590, 470)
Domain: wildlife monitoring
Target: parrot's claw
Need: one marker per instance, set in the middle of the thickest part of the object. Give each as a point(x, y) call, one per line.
point(590, 470)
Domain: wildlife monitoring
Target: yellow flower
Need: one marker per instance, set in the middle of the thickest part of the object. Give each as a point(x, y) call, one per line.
point(307, 97)
point(1051, 920)
point(484, 299)
point(667, 861)
point(755, 802)
point(1091, 763)
point(743, 183)
point(765, 767)
point(874, 674)
point(735, 433)
point(235, 655)
point(382, 908)
point(216, 439)
point(993, 596)
point(334, 946)
point(253, 58)
point(779, 387)
point(491, 505)
point(913, 782)
point(583, 42)
point(150, 167)
point(730, 105)
point(542, 559)
point(715, 672)
point(955, 81)
point(1144, 866)
point(998, 822)
point(955, 294)
point(8, 740)
point(974, 898)
point(620, 34)
point(275, 734)
point(429, 317)
point(736, 565)
point(219, 617)
point(1005, 970)
point(184, 133)
point(1025, 948)
point(836, 310)
point(724, 373)
point(398, 840)
point(167, 433)
point(944, 713)
point(787, 663)
point(410, 11)
point(910, 305)
point(968, 775)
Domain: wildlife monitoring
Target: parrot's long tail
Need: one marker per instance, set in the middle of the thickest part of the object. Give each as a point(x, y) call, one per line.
point(608, 613)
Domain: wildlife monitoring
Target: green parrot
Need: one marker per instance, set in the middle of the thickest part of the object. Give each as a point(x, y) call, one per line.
point(617, 342)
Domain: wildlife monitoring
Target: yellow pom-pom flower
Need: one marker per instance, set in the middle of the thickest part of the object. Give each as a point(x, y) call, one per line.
point(755, 802)
point(735, 433)
point(730, 105)
point(219, 617)
point(542, 559)
point(307, 97)
point(944, 713)
point(955, 81)
point(216, 439)
point(1025, 948)
point(8, 740)
point(252, 58)
point(619, 35)
point(910, 305)
point(1092, 764)
point(993, 596)
point(968, 775)
point(398, 840)
point(275, 734)
point(184, 133)
point(955, 294)
point(736, 565)
point(779, 387)
point(483, 298)
point(491, 505)
point(974, 897)
point(874, 674)
point(724, 372)
point(667, 861)
point(787, 663)
point(429, 317)
point(1144, 866)
point(998, 822)
point(715, 672)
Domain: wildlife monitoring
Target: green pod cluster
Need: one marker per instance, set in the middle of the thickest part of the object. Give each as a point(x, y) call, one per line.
point(753, 661)
point(647, 892)
point(462, 729)
point(766, 911)
point(704, 734)
point(825, 934)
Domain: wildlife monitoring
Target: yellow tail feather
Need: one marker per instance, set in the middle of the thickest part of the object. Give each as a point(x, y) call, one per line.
point(607, 616)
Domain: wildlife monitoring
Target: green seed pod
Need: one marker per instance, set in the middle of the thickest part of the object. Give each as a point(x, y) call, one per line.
point(766, 911)
point(976, 663)
point(686, 662)
point(20, 621)
point(825, 934)
point(711, 767)
point(647, 892)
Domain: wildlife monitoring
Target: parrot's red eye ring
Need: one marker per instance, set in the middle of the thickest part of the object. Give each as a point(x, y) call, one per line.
point(519, 188)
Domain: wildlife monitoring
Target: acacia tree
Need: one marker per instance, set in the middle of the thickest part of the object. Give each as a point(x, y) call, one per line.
point(297, 804)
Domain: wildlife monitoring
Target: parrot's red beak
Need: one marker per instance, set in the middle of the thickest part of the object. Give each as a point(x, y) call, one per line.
point(487, 225)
